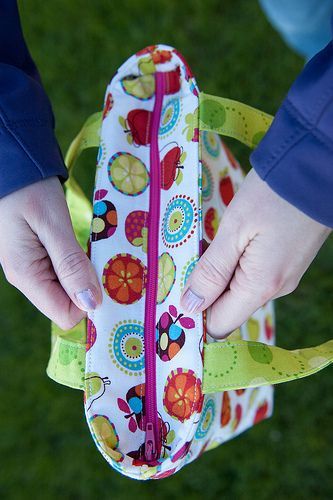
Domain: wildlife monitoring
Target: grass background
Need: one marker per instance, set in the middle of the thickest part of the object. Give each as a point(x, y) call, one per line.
point(45, 447)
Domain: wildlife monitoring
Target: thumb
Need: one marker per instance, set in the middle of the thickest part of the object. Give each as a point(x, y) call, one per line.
point(75, 272)
point(213, 271)
point(71, 265)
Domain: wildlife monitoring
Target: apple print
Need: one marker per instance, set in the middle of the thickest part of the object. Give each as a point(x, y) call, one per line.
point(211, 223)
point(161, 56)
point(192, 126)
point(137, 126)
point(153, 56)
point(238, 416)
point(147, 50)
point(171, 166)
point(108, 105)
point(231, 158)
point(170, 333)
point(136, 228)
point(269, 329)
point(261, 412)
point(226, 187)
point(226, 409)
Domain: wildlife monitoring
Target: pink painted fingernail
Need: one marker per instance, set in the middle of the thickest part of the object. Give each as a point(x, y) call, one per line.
point(87, 299)
point(191, 301)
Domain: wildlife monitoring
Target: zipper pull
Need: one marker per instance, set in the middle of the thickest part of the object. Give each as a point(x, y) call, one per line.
point(150, 445)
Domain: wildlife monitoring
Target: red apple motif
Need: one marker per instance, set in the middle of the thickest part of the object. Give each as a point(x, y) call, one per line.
point(238, 416)
point(147, 50)
point(269, 329)
point(211, 223)
point(108, 105)
point(226, 187)
point(261, 412)
point(161, 56)
point(137, 126)
point(171, 167)
point(226, 409)
point(136, 228)
point(234, 163)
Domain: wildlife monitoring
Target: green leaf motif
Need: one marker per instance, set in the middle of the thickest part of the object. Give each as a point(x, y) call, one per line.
point(260, 353)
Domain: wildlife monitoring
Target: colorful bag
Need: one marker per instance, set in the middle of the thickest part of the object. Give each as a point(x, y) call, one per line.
point(159, 391)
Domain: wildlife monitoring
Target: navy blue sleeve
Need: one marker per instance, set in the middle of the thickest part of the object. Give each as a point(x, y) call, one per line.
point(295, 157)
point(29, 150)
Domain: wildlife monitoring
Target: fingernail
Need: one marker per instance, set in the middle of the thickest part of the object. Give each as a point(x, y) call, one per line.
point(87, 299)
point(191, 301)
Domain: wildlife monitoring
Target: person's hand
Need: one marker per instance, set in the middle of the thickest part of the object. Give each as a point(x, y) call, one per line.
point(262, 248)
point(41, 257)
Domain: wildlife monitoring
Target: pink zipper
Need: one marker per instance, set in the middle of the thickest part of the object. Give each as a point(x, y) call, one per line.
point(152, 445)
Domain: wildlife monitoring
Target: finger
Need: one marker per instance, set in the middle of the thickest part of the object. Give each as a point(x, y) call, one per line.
point(214, 270)
point(71, 265)
point(52, 300)
point(29, 269)
point(73, 268)
point(235, 305)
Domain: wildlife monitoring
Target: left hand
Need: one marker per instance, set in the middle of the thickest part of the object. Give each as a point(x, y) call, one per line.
point(262, 248)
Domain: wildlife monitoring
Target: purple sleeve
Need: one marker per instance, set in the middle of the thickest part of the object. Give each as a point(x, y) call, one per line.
point(295, 157)
point(29, 150)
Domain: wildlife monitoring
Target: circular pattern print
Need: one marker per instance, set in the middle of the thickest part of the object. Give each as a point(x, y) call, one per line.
point(124, 278)
point(166, 276)
point(179, 222)
point(211, 223)
point(182, 394)
point(141, 87)
point(105, 220)
point(126, 347)
point(101, 155)
point(91, 334)
point(206, 420)
point(170, 116)
point(128, 174)
point(105, 436)
point(187, 269)
point(207, 182)
point(212, 143)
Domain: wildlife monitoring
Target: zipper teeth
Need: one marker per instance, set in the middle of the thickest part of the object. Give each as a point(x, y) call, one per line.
point(152, 260)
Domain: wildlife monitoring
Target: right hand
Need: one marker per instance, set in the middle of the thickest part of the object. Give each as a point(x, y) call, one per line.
point(41, 257)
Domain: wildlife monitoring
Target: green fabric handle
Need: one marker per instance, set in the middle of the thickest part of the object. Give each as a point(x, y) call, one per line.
point(68, 348)
point(233, 119)
point(239, 364)
point(231, 364)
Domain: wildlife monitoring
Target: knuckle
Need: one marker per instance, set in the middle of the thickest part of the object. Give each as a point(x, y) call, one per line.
point(212, 270)
point(71, 265)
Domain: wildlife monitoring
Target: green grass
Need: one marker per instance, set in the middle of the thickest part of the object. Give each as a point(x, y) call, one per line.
point(46, 449)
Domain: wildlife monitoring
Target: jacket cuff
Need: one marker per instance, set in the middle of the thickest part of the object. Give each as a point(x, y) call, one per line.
point(295, 158)
point(21, 164)
point(29, 151)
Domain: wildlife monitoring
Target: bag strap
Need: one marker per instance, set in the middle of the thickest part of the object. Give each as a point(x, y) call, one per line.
point(230, 364)
point(233, 119)
point(68, 348)
point(240, 364)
